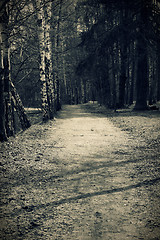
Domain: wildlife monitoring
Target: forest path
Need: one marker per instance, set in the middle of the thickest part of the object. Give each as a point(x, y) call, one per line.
point(79, 177)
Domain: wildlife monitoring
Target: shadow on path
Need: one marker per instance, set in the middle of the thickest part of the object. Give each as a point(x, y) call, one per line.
point(88, 195)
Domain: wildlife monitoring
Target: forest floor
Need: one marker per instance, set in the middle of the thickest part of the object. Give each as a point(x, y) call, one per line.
point(89, 174)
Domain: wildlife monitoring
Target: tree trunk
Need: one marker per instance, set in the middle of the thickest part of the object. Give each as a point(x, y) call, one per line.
point(46, 77)
point(114, 90)
point(20, 108)
point(6, 121)
point(48, 60)
point(142, 64)
point(123, 51)
point(142, 78)
point(85, 91)
point(3, 134)
point(57, 47)
point(158, 72)
point(133, 67)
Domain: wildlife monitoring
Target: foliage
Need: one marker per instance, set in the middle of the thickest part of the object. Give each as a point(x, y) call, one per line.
point(121, 31)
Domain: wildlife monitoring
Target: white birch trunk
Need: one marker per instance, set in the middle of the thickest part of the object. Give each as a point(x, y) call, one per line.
point(5, 65)
point(3, 133)
point(41, 36)
point(45, 48)
point(48, 59)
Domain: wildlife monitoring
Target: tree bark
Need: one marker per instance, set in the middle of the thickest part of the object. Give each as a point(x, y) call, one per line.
point(158, 72)
point(142, 78)
point(133, 67)
point(7, 124)
point(20, 108)
point(46, 76)
point(6, 120)
point(48, 60)
point(142, 62)
point(123, 51)
point(57, 47)
point(3, 134)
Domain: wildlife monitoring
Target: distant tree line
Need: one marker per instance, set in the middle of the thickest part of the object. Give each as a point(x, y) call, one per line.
point(121, 41)
point(73, 51)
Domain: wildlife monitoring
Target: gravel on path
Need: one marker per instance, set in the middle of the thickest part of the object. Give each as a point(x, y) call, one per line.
point(85, 176)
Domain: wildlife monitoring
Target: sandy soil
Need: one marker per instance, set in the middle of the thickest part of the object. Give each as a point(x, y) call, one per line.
point(88, 174)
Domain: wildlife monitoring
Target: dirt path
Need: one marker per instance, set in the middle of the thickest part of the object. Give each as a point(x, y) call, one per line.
point(79, 177)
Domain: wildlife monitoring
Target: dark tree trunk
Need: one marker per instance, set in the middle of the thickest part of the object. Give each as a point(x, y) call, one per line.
point(131, 96)
point(158, 73)
point(3, 134)
point(123, 51)
point(142, 78)
point(152, 80)
point(114, 91)
point(85, 91)
point(123, 78)
point(57, 46)
point(13, 113)
point(122, 84)
point(142, 58)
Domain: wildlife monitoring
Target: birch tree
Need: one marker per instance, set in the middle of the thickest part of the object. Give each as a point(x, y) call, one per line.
point(43, 14)
point(8, 100)
point(7, 128)
point(4, 58)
